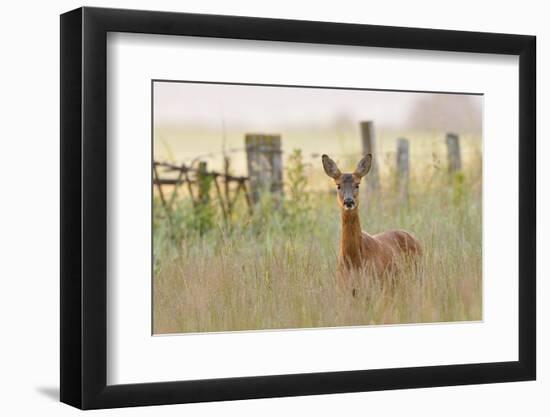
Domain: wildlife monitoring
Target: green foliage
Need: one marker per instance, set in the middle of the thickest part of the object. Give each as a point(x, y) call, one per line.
point(458, 187)
point(297, 205)
point(203, 218)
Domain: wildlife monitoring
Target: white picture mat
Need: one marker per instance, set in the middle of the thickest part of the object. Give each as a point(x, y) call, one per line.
point(134, 356)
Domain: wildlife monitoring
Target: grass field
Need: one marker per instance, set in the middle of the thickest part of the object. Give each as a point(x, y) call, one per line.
point(277, 268)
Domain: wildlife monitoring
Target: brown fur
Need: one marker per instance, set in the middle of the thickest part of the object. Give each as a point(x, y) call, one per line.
point(378, 253)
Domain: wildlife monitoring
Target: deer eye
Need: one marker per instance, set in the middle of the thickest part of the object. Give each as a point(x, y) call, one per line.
point(356, 186)
point(338, 187)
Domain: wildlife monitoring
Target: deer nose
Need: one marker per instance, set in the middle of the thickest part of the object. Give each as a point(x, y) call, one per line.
point(348, 202)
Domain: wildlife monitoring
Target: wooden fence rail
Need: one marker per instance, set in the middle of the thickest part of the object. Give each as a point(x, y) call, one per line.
point(198, 182)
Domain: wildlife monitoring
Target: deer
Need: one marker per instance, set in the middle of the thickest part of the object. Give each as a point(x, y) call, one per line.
point(380, 254)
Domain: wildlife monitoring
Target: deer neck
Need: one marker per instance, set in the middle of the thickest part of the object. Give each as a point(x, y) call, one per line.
point(351, 238)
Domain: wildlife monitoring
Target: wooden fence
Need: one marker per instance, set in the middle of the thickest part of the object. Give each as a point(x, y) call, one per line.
point(368, 142)
point(265, 172)
point(402, 162)
point(198, 182)
point(265, 165)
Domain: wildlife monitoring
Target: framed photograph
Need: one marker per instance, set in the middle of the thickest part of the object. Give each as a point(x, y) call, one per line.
point(258, 208)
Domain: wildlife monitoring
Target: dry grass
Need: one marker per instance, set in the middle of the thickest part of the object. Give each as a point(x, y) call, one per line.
point(277, 269)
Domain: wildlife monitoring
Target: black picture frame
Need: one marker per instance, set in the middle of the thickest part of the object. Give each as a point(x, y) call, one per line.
point(84, 207)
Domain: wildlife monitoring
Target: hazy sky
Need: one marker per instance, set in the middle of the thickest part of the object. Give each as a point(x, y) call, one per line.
point(262, 108)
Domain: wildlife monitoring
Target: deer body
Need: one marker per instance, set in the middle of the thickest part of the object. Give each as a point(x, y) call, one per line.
point(378, 253)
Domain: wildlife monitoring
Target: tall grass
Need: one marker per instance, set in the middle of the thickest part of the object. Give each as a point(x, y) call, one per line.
point(276, 269)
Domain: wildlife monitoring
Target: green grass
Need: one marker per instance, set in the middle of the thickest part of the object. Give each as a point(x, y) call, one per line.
point(276, 269)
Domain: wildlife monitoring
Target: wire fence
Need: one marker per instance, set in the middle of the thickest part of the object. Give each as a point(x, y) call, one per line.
point(265, 170)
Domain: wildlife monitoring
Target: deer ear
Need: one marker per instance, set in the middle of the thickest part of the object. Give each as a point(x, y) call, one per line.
point(330, 167)
point(363, 167)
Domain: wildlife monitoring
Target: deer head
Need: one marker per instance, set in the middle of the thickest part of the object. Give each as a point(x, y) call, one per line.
point(347, 184)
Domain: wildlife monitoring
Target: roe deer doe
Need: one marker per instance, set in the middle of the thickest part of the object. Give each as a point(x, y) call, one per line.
point(378, 254)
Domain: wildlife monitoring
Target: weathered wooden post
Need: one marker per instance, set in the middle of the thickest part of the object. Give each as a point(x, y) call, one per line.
point(403, 169)
point(265, 165)
point(453, 152)
point(368, 140)
point(226, 170)
point(203, 183)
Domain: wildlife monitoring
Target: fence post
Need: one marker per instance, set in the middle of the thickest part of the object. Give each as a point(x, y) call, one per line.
point(265, 165)
point(368, 140)
point(453, 152)
point(226, 165)
point(403, 169)
point(204, 183)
